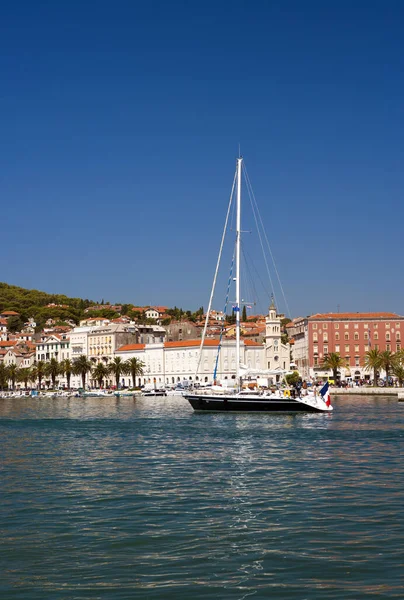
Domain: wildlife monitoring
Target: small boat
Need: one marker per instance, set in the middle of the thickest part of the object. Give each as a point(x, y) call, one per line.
point(237, 399)
point(155, 392)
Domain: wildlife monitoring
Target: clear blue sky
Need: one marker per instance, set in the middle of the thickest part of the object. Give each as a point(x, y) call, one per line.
point(120, 123)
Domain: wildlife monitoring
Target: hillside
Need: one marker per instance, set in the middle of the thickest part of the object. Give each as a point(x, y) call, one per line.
point(33, 303)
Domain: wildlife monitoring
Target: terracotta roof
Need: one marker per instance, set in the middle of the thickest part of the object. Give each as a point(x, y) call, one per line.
point(339, 316)
point(9, 312)
point(8, 344)
point(190, 343)
point(251, 343)
point(130, 347)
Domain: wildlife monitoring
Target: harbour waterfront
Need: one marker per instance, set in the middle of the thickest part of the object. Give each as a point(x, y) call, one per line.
point(118, 498)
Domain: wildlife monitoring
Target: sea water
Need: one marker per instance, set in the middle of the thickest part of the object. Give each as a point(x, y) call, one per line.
point(120, 498)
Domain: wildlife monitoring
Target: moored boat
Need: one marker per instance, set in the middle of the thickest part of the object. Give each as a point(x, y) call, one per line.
point(239, 400)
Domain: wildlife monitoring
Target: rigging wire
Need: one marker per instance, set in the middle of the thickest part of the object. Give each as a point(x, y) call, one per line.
point(259, 235)
point(249, 186)
point(215, 276)
point(225, 312)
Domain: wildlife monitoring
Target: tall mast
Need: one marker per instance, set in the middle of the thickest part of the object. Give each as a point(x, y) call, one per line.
point(238, 234)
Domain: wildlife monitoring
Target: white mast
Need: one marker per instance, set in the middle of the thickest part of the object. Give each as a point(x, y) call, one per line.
point(238, 234)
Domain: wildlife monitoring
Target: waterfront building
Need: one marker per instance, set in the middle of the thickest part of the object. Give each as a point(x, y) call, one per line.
point(55, 346)
point(173, 362)
point(103, 341)
point(349, 334)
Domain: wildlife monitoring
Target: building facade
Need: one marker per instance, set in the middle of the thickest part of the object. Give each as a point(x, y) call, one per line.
point(349, 334)
point(173, 362)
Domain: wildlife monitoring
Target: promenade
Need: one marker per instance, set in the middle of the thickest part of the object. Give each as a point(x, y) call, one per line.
point(369, 391)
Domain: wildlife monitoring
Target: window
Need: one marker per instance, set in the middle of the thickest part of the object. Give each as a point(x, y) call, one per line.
point(356, 326)
point(397, 325)
point(325, 349)
point(366, 335)
point(387, 336)
point(387, 325)
point(315, 349)
point(337, 336)
point(356, 348)
point(375, 325)
point(347, 336)
point(325, 325)
point(347, 358)
point(315, 337)
point(397, 335)
point(356, 335)
point(347, 348)
point(375, 335)
point(314, 325)
point(388, 347)
point(357, 364)
point(336, 325)
point(325, 340)
point(337, 348)
point(365, 326)
point(346, 325)
point(376, 346)
point(398, 347)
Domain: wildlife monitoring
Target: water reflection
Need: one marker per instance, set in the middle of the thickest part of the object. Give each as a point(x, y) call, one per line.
point(101, 497)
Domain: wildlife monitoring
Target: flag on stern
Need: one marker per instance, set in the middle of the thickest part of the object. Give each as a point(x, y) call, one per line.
point(325, 394)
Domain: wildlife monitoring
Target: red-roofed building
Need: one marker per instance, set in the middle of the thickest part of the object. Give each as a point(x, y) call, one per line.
point(172, 362)
point(349, 334)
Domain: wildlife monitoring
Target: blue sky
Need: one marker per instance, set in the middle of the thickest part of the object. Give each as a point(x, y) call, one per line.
point(120, 124)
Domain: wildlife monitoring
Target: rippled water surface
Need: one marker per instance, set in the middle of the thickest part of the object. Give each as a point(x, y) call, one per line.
point(117, 499)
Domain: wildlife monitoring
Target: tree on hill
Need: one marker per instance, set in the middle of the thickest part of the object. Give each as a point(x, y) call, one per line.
point(244, 314)
point(15, 323)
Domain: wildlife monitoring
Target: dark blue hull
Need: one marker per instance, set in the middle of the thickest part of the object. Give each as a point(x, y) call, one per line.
point(264, 404)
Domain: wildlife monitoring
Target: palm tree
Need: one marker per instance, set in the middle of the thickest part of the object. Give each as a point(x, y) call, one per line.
point(100, 372)
point(373, 361)
point(24, 375)
point(134, 367)
point(82, 366)
point(398, 371)
point(66, 368)
point(12, 373)
point(387, 362)
point(333, 361)
point(38, 372)
point(117, 367)
point(3, 375)
point(52, 369)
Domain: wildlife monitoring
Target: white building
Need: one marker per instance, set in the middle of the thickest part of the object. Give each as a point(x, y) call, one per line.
point(174, 362)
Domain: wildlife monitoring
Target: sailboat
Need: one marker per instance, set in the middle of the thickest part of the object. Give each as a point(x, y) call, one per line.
point(220, 399)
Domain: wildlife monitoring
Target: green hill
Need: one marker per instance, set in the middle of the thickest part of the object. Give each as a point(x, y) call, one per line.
point(33, 303)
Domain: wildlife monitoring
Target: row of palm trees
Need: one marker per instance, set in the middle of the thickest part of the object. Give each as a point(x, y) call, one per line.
point(375, 360)
point(79, 366)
